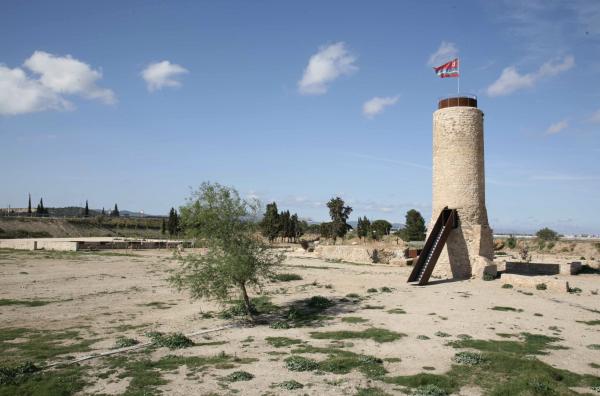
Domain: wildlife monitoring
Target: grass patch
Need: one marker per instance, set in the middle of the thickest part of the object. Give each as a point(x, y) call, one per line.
point(354, 319)
point(238, 376)
point(396, 311)
point(123, 342)
point(595, 347)
point(39, 345)
point(589, 322)
point(442, 334)
point(290, 385)
point(340, 361)
point(308, 312)
point(286, 277)
point(506, 309)
point(27, 381)
point(171, 340)
point(279, 342)
point(300, 363)
point(375, 334)
point(260, 305)
point(371, 392)
point(26, 303)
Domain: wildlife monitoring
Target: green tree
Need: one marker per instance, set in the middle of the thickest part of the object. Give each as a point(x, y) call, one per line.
point(270, 223)
point(163, 227)
point(380, 228)
point(115, 212)
point(414, 228)
point(41, 210)
point(173, 222)
point(86, 211)
point(363, 228)
point(235, 259)
point(339, 215)
point(546, 234)
point(103, 212)
point(29, 206)
point(511, 241)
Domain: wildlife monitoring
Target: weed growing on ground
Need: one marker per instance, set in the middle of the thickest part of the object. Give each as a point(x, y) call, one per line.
point(340, 361)
point(286, 277)
point(300, 363)
point(290, 385)
point(442, 334)
point(26, 303)
point(589, 322)
point(171, 340)
point(507, 286)
point(574, 290)
point(260, 305)
point(505, 309)
point(123, 342)
point(353, 295)
point(396, 311)
point(385, 289)
point(238, 376)
point(371, 392)
point(354, 319)
point(541, 286)
point(279, 342)
point(469, 358)
point(375, 334)
point(371, 290)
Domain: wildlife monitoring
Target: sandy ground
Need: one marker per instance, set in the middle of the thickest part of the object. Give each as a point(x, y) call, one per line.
point(97, 294)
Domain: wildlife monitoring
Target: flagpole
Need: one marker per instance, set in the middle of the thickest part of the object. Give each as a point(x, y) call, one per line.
point(458, 76)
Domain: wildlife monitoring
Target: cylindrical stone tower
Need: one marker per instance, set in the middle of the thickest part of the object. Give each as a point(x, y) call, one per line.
point(459, 183)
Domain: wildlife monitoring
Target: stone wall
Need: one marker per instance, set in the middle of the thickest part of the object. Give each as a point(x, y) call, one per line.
point(359, 254)
point(459, 183)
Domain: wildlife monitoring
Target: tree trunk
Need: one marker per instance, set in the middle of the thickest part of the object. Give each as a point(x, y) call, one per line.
point(246, 300)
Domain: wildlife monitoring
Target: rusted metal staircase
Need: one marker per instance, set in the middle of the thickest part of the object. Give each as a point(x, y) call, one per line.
point(446, 221)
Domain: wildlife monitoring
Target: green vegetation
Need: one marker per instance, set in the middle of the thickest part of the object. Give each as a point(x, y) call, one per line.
point(396, 311)
point(26, 380)
point(511, 242)
point(173, 223)
point(238, 376)
point(338, 361)
point(547, 235)
point(506, 309)
point(375, 334)
point(442, 334)
point(541, 286)
point(123, 342)
point(371, 392)
point(290, 385)
point(414, 229)
point(18, 345)
point(574, 290)
point(235, 259)
point(353, 295)
point(502, 368)
point(308, 312)
point(27, 303)
point(339, 213)
point(507, 286)
point(386, 289)
point(279, 342)
point(422, 337)
point(286, 277)
point(284, 225)
point(363, 228)
point(171, 340)
point(258, 306)
point(590, 322)
point(371, 290)
point(379, 228)
point(354, 319)
point(595, 347)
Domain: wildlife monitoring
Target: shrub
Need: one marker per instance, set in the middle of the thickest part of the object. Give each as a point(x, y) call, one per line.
point(171, 340)
point(371, 290)
point(123, 342)
point(386, 289)
point(488, 277)
point(546, 234)
point(319, 302)
point(16, 374)
point(287, 277)
point(507, 286)
point(574, 290)
point(239, 376)
point(291, 385)
point(511, 242)
point(430, 390)
point(469, 358)
point(300, 363)
point(541, 286)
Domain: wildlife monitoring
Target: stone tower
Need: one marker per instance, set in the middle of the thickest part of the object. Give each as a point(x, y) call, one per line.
point(459, 183)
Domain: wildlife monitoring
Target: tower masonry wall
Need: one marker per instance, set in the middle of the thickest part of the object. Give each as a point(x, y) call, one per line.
point(459, 183)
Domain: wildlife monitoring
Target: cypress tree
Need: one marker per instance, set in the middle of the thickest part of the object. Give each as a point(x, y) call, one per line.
point(414, 229)
point(115, 212)
point(29, 205)
point(173, 222)
point(103, 211)
point(271, 223)
point(163, 227)
point(86, 211)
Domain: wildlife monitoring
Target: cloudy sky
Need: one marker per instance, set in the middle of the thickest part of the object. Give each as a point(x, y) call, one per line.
point(136, 102)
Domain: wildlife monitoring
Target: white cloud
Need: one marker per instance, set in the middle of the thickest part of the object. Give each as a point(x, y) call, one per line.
point(325, 66)
point(557, 127)
point(163, 74)
point(511, 80)
point(52, 78)
point(446, 52)
point(66, 75)
point(595, 118)
point(374, 106)
point(19, 94)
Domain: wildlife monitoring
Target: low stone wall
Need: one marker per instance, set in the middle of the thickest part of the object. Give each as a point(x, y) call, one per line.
point(20, 244)
point(542, 268)
point(360, 254)
point(552, 283)
point(63, 246)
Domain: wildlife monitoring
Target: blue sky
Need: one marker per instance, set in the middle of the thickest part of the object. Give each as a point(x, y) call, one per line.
point(136, 102)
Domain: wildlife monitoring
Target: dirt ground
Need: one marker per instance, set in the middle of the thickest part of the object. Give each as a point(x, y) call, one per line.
point(104, 296)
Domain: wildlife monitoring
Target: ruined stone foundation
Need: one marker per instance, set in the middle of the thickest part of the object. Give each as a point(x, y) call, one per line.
point(459, 183)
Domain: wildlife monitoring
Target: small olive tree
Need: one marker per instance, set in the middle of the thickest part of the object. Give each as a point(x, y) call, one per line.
point(236, 258)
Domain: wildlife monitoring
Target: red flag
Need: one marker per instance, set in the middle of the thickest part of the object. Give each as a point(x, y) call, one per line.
point(450, 69)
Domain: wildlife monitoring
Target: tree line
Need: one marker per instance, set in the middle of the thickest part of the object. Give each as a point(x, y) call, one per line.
point(284, 225)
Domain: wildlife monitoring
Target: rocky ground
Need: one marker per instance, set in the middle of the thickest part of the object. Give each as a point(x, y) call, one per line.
point(338, 328)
